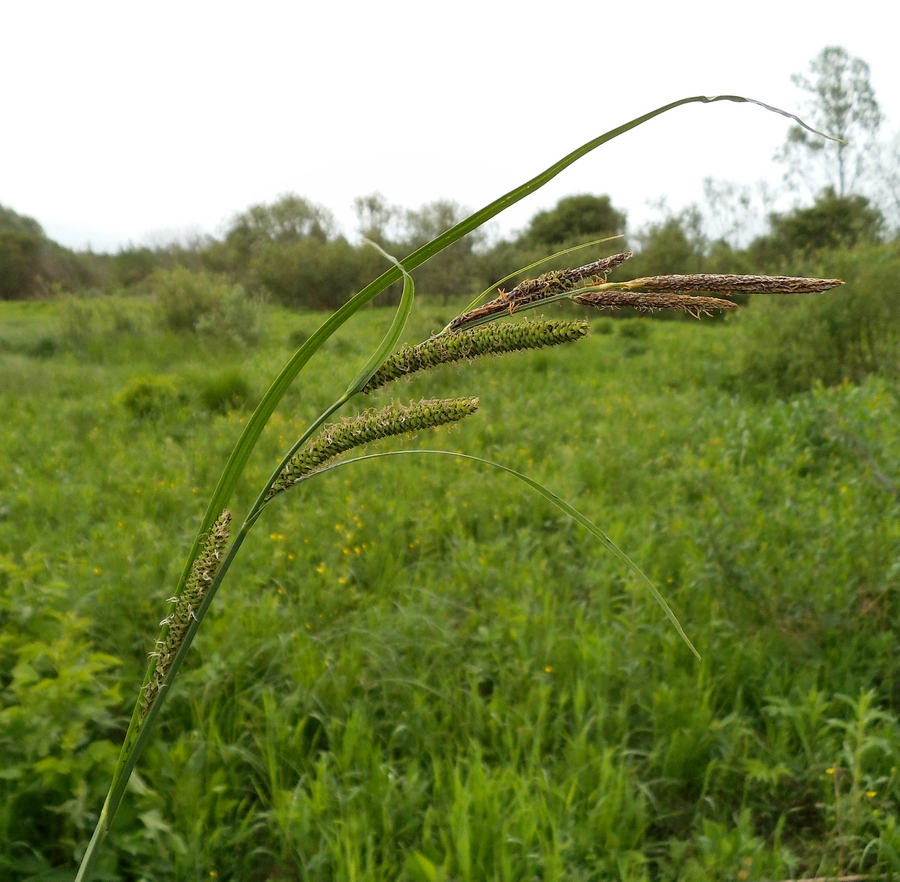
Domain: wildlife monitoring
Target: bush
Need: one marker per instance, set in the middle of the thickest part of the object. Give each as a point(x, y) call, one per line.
point(20, 263)
point(89, 319)
point(311, 273)
point(44, 347)
point(225, 392)
point(59, 709)
point(297, 338)
point(208, 305)
point(634, 330)
point(80, 321)
point(235, 318)
point(791, 343)
point(151, 396)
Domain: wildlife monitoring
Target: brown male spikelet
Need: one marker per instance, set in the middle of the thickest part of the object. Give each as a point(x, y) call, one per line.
point(647, 302)
point(676, 291)
point(544, 286)
point(724, 283)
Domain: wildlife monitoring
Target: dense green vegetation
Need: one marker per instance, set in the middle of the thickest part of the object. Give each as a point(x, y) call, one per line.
point(419, 671)
point(415, 672)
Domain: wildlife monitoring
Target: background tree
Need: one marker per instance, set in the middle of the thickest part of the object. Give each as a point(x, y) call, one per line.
point(675, 244)
point(841, 102)
point(377, 219)
point(20, 264)
point(734, 213)
point(574, 219)
point(289, 220)
point(832, 222)
point(310, 273)
point(454, 271)
point(10, 220)
point(31, 264)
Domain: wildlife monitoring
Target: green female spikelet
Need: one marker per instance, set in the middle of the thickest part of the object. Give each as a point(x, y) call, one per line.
point(395, 419)
point(475, 343)
point(202, 573)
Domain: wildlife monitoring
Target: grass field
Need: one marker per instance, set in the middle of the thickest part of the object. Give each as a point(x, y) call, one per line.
point(417, 669)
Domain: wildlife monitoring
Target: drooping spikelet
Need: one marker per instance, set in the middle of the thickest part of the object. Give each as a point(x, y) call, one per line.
point(395, 419)
point(677, 291)
point(647, 302)
point(494, 339)
point(725, 283)
point(203, 571)
point(544, 286)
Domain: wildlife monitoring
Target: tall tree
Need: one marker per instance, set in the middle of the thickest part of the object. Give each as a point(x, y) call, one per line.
point(831, 222)
point(453, 271)
point(583, 217)
point(289, 220)
point(377, 218)
point(842, 103)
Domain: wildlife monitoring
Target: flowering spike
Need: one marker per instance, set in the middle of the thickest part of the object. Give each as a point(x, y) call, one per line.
point(723, 283)
point(544, 286)
point(494, 339)
point(203, 571)
point(647, 302)
point(395, 419)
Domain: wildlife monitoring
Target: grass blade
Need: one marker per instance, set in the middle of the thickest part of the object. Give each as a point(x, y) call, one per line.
point(392, 338)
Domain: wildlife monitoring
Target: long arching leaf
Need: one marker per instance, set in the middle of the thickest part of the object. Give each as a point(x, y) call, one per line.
point(550, 496)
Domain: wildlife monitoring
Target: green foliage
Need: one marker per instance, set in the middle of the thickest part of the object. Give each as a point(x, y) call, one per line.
point(453, 272)
point(20, 264)
point(225, 392)
point(309, 273)
point(674, 245)
point(832, 222)
point(89, 324)
point(59, 699)
point(207, 305)
point(289, 220)
point(31, 264)
point(133, 265)
point(634, 330)
point(845, 334)
point(573, 219)
point(10, 220)
point(446, 677)
point(151, 396)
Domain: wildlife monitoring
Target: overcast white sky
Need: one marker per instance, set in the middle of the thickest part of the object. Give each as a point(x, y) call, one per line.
point(133, 122)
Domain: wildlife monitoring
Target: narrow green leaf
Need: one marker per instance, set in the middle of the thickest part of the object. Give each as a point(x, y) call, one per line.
point(394, 332)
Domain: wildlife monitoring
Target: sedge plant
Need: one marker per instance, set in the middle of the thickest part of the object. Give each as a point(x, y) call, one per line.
point(483, 329)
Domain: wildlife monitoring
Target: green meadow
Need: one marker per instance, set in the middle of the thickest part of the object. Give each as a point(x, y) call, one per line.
point(418, 669)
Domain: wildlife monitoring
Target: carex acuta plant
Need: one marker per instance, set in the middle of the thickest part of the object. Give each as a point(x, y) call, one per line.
point(482, 330)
